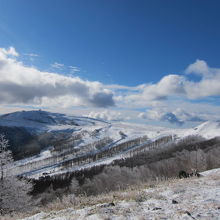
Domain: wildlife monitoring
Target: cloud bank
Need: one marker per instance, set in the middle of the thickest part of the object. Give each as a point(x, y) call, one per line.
point(178, 116)
point(21, 84)
point(179, 86)
point(107, 115)
point(28, 85)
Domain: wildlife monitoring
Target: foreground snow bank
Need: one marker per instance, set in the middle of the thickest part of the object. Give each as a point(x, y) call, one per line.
point(193, 198)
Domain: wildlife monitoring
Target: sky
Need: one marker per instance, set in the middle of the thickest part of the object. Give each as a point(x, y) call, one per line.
point(144, 61)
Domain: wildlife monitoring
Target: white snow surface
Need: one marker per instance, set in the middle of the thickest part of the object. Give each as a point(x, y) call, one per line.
point(44, 154)
point(193, 198)
point(208, 130)
point(40, 121)
point(94, 130)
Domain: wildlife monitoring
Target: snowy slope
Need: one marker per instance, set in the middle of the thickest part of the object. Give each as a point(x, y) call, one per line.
point(87, 137)
point(40, 121)
point(193, 198)
point(208, 130)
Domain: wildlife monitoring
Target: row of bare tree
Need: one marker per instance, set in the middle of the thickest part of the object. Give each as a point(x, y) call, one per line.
point(98, 150)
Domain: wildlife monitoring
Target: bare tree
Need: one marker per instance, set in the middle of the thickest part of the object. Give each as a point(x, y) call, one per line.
point(5, 155)
point(13, 190)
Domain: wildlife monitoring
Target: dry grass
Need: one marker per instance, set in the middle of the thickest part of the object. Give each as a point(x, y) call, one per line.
point(136, 193)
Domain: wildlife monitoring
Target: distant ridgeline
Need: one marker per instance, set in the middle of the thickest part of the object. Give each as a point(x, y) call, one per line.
point(29, 132)
point(81, 147)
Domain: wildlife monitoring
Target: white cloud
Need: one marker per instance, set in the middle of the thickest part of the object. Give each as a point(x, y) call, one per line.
point(22, 84)
point(10, 51)
point(74, 69)
point(200, 67)
point(153, 94)
point(28, 85)
point(209, 83)
point(155, 114)
point(203, 89)
point(57, 65)
point(125, 88)
point(107, 115)
point(185, 116)
point(31, 54)
point(177, 116)
point(160, 115)
point(142, 115)
point(177, 86)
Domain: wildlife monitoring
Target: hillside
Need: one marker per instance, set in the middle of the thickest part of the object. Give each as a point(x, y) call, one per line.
point(60, 144)
point(29, 132)
point(102, 169)
point(208, 130)
point(193, 198)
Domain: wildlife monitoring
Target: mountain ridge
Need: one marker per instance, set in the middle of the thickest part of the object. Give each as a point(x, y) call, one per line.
point(45, 142)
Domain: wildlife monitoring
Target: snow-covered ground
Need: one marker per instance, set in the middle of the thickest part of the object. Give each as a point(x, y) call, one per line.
point(46, 121)
point(92, 130)
point(192, 198)
point(180, 199)
point(208, 130)
point(41, 121)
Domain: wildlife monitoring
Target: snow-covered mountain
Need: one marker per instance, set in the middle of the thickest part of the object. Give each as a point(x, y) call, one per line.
point(37, 122)
point(29, 132)
point(208, 130)
point(40, 121)
point(55, 143)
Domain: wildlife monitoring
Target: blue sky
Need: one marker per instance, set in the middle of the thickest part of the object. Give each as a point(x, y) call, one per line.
point(125, 43)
